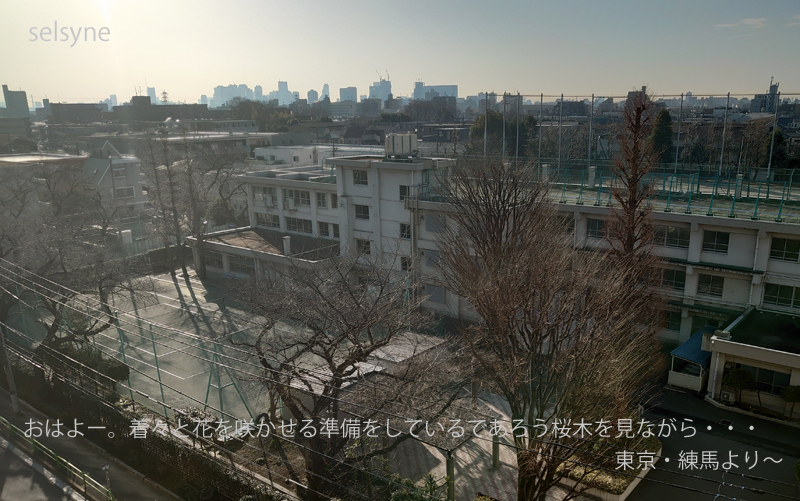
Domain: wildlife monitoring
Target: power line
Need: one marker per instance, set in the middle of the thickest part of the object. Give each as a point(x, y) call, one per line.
point(222, 413)
point(373, 409)
point(554, 456)
point(403, 417)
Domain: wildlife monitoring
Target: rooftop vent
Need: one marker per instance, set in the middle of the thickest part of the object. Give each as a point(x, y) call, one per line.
point(401, 146)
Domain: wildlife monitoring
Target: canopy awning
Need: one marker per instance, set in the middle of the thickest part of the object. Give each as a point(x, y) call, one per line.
point(691, 350)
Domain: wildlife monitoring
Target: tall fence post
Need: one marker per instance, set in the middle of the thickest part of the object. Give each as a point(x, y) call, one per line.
point(496, 451)
point(158, 372)
point(451, 472)
point(122, 352)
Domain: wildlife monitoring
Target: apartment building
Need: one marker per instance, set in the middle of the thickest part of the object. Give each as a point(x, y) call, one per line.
point(722, 272)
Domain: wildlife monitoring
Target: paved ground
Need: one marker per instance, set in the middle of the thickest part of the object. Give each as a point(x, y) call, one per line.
point(747, 449)
point(185, 363)
point(20, 482)
point(125, 484)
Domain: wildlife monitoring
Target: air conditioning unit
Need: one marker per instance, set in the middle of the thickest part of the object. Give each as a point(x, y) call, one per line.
point(727, 397)
point(292, 204)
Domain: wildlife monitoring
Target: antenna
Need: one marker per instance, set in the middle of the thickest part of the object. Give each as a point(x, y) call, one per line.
point(164, 97)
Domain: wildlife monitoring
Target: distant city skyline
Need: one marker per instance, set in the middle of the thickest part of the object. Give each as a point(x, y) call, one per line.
point(577, 47)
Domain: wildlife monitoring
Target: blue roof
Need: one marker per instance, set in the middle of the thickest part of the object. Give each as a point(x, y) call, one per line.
point(691, 350)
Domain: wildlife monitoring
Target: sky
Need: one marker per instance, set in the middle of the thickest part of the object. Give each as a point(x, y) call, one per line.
point(575, 47)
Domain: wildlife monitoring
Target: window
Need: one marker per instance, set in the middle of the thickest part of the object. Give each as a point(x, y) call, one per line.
point(405, 192)
point(710, 285)
point(405, 263)
point(716, 241)
point(334, 201)
point(595, 228)
point(781, 295)
point(362, 211)
point(335, 230)
point(242, 264)
point(322, 201)
point(213, 259)
point(119, 173)
point(323, 229)
point(767, 381)
point(431, 258)
point(301, 197)
point(295, 158)
point(434, 223)
point(435, 293)
point(267, 220)
point(263, 192)
point(700, 322)
point(672, 236)
point(300, 225)
point(674, 279)
point(363, 246)
point(672, 320)
point(360, 177)
point(784, 249)
point(126, 192)
point(405, 231)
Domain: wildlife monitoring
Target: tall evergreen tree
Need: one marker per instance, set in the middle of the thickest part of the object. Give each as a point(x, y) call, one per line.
point(661, 136)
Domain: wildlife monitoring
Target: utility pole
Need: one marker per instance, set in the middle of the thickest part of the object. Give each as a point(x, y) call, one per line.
point(485, 121)
point(504, 127)
point(519, 104)
point(772, 141)
point(12, 385)
point(724, 130)
point(678, 142)
point(591, 121)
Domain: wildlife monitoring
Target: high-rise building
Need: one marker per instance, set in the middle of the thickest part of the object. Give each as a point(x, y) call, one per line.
point(151, 91)
point(113, 99)
point(421, 91)
point(204, 99)
point(283, 86)
point(259, 94)
point(326, 92)
point(766, 103)
point(348, 94)
point(312, 96)
point(16, 103)
point(380, 90)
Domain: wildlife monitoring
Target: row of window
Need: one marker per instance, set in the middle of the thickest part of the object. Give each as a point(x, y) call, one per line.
point(669, 236)
point(237, 264)
point(297, 224)
point(707, 285)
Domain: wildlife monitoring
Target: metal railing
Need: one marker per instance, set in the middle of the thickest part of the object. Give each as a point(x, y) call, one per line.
point(699, 191)
point(62, 468)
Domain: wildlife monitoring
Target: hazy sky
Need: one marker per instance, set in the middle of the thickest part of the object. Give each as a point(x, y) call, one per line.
point(577, 47)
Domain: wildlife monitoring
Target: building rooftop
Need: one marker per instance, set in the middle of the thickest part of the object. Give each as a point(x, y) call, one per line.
point(770, 330)
point(271, 242)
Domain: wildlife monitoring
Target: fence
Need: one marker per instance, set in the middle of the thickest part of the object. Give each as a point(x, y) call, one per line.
point(710, 192)
point(60, 466)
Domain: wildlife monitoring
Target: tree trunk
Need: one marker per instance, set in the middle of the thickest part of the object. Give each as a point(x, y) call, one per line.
point(528, 485)
point(201, 257)
point(316, 476)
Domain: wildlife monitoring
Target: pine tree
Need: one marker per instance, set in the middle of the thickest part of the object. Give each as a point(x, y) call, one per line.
point(661, 136)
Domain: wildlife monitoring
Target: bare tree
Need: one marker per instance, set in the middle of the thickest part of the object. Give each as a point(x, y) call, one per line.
point(157, 162)
point(323, 328)
point(553, 335)
point(631, 233)
point(207, 174)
